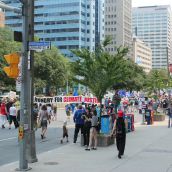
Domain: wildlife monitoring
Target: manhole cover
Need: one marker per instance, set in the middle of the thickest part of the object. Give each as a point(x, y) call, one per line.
point(51, 163)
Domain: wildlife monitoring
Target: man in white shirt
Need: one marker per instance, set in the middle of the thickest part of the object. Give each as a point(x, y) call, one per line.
point(12, 116)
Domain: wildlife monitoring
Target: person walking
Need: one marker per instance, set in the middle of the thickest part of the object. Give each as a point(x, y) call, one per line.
point(116, 101)
point(79, 122)
point(9, 104)
point(87, 126)
point(65, 132)
point(35, 115)
point(120, 133)
point(93, 132)
point(43, 118)
point(54, 117)
point(13, 116)
point(3, 113)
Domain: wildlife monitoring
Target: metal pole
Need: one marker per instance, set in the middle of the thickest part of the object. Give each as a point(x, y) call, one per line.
point(67, 87)
point(31, 147)
point(169, 92)
point(24, 115)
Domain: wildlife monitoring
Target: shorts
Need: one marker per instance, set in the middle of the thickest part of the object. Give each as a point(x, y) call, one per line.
point(65, 135)
point(12, 119)
point(44, 124)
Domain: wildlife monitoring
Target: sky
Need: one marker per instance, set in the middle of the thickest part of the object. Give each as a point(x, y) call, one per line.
point(137, 3)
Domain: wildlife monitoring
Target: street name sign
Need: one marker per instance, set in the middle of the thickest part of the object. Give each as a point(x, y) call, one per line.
point(39, 46)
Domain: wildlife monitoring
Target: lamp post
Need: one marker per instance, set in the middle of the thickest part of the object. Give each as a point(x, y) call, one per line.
point(169, 91)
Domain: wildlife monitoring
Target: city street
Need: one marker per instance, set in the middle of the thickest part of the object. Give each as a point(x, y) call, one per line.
point(9, 141)
point(147, 149)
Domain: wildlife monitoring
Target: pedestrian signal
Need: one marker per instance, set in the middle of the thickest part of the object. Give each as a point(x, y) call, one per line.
point(13, 60)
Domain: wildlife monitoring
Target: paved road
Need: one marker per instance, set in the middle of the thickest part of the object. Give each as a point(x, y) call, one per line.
point(9, 142)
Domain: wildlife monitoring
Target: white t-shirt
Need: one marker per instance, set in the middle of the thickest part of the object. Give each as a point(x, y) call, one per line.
point(13, 111)
point(49, 110)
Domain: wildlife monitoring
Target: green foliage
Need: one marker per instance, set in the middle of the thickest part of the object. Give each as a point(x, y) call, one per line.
point(7, 46)
point(50, 69)
point(157, 80)
point(100, 70)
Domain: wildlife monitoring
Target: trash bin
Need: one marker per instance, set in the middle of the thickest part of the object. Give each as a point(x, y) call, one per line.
point(105, 124)
point(148, 116)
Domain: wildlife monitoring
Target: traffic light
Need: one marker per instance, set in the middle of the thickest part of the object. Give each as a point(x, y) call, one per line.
point(13, 60)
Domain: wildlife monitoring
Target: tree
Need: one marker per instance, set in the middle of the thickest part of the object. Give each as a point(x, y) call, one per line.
point(157, 79)
point(99, 70)
point(50, 69)
point(7, 46)
point(132, 77)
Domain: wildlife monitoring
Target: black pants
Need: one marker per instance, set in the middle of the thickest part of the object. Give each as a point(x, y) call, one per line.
point(86, 135)
point(78, 127)
point(13, 119)
point(120, 143)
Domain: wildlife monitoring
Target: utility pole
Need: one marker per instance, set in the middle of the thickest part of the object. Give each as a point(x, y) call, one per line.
point(27, 142)
point(27, 146)
point(31, 147)
point(169, 91)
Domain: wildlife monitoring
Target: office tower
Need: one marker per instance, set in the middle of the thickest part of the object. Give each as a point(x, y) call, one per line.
point(118, 23)
point(142, 55)
point(152, 24)
point(2, 18)
point(68, 24)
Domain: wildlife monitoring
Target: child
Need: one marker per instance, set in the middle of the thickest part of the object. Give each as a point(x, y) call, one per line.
point(65, 131)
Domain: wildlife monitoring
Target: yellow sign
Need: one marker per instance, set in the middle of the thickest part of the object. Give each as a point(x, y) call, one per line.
point(21, 132)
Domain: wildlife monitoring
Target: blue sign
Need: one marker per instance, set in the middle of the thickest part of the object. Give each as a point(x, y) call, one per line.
point(39, 45)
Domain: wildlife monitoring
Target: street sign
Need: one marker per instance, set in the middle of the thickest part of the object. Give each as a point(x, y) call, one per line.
point(37, 46)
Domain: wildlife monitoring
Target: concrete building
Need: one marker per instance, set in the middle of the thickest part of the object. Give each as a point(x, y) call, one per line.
point(142, 55)
point(118, 19)
point(153, 25)
point(2, 18)
point(68, 24)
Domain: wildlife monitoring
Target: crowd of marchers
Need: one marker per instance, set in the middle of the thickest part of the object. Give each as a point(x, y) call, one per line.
point(87, 117)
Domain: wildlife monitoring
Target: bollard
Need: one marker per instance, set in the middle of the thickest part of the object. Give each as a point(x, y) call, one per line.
point(169, 121)
point(143, 116)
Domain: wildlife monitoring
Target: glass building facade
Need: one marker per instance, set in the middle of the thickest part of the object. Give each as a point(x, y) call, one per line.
point(153, 25)
point(68, 24)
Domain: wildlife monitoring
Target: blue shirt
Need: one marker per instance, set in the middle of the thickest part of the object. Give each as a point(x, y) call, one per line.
point(78, 116)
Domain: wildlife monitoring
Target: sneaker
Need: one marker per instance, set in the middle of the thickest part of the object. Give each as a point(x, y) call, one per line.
point(94, 148)
point(87, 149)
point(3, 126)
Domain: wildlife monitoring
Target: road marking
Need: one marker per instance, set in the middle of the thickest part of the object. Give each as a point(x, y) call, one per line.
point(11, 138)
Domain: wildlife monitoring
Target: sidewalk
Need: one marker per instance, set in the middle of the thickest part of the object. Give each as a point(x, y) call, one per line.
point(148, 149)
